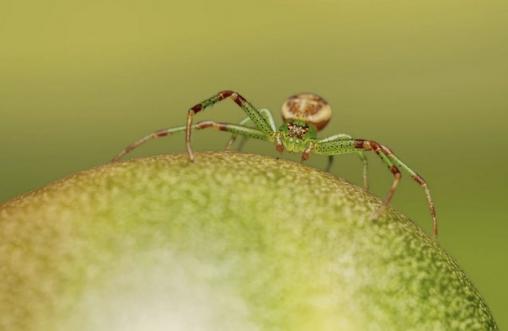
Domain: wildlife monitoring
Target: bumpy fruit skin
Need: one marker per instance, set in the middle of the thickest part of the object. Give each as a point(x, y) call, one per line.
point(231, 242)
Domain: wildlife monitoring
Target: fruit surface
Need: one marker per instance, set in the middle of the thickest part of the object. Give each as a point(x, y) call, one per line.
point(230, 242)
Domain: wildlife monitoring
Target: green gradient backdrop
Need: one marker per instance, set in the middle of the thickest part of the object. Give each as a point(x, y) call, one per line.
point(81, 79)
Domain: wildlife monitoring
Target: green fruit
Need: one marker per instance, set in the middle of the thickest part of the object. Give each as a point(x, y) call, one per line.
point(231, 242)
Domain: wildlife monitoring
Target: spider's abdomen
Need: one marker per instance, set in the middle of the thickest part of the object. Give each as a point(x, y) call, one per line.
point(307, 107)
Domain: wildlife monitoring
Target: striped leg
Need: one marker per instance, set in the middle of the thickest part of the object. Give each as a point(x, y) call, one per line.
point(257, 118)
point(232, 128)
point(419, 179)
point(353, 145)
point(269, 118)
point(393, 169)
point(154, 135)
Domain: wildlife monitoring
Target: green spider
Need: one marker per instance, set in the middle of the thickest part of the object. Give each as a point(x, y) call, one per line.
point(304, 115)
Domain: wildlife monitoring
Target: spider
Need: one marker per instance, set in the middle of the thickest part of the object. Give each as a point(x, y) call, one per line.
point(304, 115)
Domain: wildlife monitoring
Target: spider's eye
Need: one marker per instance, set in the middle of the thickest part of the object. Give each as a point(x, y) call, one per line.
point(307, 107)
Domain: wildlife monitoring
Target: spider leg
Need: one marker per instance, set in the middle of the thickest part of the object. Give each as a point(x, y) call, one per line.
point(419, 179)
point(365, 167)
point(233, 137)
point(388, 157)
point(242, 143)
point(329, 165)
point(154, 135)
point(232, 128)
point(361, 155)
point(268, 116)
point(257, 118)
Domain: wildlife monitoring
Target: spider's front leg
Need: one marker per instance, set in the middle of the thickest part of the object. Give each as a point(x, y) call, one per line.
point(336, 147)
point(255, 116)
point(231, 128)
point(154, 135)
point(269, 118)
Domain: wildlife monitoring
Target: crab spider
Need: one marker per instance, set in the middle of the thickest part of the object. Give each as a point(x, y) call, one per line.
point(304, 115)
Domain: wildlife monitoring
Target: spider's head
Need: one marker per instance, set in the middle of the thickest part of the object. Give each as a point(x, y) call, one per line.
point(309, 108)
point(298, 129)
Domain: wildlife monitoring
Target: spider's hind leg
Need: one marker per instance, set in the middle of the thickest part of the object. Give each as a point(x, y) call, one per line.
point(343, 146)
point(372, 145)
point(419, 179)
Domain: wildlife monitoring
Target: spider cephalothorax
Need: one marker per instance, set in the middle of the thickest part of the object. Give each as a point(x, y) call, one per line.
point(309, 108)
point(304, 114)
point(294, 136)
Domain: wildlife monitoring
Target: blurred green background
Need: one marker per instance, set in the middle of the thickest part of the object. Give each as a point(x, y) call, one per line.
point(81, 79)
